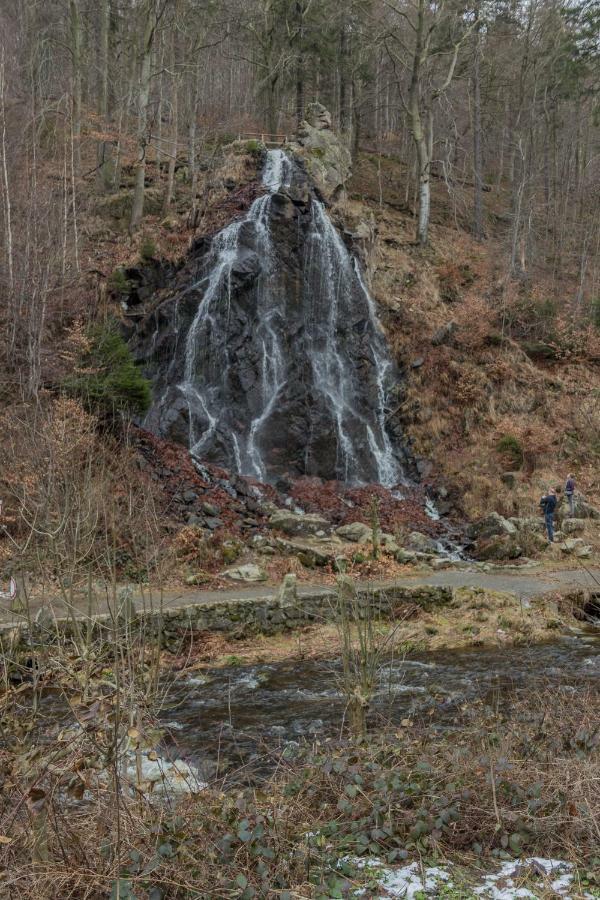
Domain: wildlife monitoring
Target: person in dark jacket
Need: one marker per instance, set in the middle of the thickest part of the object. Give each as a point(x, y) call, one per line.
point(570, 494)
point(548, 504)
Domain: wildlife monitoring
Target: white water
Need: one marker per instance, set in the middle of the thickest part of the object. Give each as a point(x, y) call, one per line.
point(333, 295)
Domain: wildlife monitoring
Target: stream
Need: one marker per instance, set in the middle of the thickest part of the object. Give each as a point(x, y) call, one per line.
point(239, 718)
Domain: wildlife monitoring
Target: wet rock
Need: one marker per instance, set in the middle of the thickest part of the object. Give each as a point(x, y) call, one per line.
point(490, 526)
point(295, 523)
point(247, 573)
point(357, 532)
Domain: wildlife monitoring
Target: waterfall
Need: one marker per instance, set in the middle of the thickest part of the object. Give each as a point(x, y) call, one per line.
point(284, 363)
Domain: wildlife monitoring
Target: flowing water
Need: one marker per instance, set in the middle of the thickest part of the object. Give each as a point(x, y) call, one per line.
point(228, 718)
point(284, 357)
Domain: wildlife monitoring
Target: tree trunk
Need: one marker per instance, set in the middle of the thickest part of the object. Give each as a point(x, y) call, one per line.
point(137, 209)
point(174, 127)
point(192, 132)
point(300, 74)
point(105, 57)
point(345, 115)
point(422, 143)
point(478, 228)
point(75, 42)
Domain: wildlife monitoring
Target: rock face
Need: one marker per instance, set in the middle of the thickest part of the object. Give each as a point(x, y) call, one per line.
point(266, 354)
point(326, 159)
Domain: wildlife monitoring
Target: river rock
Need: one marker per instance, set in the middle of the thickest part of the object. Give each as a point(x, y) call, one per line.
point(490, 526)
point(161, 776)
point(357, 532)
point(248, 573)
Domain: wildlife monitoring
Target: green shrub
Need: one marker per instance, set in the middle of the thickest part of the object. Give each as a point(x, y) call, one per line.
point(510, 447)
point(106, 377)
point(147, 249)
point(255, 147)
point(119, 283)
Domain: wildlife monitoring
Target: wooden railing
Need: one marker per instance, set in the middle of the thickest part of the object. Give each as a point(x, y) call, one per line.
point(264, 137)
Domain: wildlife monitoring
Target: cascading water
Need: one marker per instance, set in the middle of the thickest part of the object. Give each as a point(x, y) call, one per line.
point(285, 367)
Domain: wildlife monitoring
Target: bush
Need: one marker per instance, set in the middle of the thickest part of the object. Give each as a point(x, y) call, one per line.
point(510, 447)
point(106, 378)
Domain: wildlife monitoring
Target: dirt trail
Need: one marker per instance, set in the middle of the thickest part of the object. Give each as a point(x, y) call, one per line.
point(525, 584)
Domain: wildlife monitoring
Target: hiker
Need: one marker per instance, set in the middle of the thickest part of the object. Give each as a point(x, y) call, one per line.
point(570, 494)
point(548, 504)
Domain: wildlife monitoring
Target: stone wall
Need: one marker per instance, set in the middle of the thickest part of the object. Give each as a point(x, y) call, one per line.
point(238, 617)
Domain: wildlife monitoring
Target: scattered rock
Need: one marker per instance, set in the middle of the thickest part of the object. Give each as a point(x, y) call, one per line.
point(571, 545)
point(573, 526)
point(288, 592)
point(417, 363)
point(357, 532)
point(509, 479)
point(193, 519)
point(209, 509)
point(405, 557)
point(421, 543)
point(498, 547)
point(248, 573)
point(584, 510)
point(213, 524)
point(190, 496)
point(297, 523)
point(197, 578)
point(490, 526)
